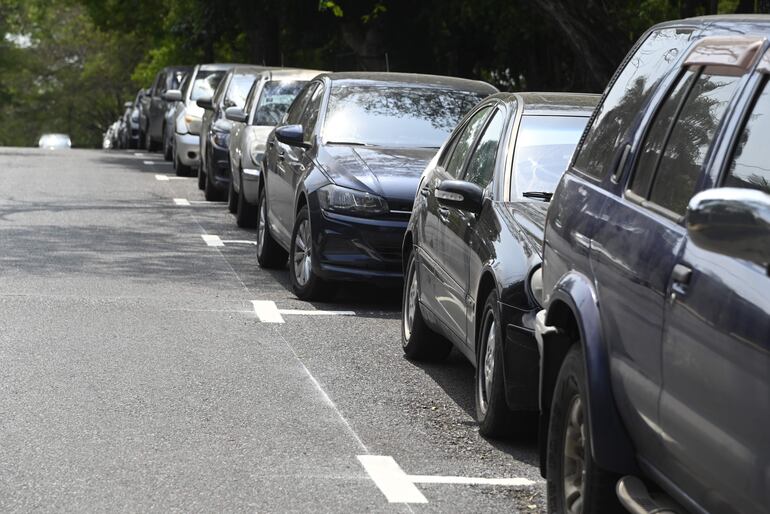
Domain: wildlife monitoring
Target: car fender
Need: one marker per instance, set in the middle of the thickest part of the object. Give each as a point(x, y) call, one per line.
point(612, 448)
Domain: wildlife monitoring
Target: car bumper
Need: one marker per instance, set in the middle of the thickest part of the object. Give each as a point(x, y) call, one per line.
point(354, 248)
point(250, 185)
point(187, 147)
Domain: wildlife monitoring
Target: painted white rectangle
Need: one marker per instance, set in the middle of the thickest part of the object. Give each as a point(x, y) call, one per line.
point(212, 240)
point(391, 479)
point(267, 311)
point(149, 162)
point(161, 177)
point(430, 479)
point(239, 241)
point(300, 312)
point(139, 154)
point(182, 201)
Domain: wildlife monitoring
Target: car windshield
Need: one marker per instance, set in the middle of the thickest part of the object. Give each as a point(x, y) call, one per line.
point(275, 100)
point(205, 84)
point(394, 116)
point(544, 147)
point(238, 90)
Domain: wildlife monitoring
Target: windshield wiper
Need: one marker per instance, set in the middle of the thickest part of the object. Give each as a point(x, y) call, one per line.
point(540, 195)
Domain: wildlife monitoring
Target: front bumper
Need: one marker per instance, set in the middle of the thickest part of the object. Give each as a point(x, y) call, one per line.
point(187, 148)
point(356, 248)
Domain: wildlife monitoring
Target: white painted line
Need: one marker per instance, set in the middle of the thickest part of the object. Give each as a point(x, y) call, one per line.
point(161, 177)
point(298, 312)
point(212, 240)
point(267, 311)
point(139, 154)
point(148, 162)
point(239, 242)
point(391, 479)
point(510, 482)
point(182, 201)
point(206, 202)
point(167, 177)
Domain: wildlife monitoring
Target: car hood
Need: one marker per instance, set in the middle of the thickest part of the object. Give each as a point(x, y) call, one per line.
point(529, 217)
point(392, 173)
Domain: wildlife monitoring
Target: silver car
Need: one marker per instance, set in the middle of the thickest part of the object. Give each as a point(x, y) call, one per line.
point(267, 102)
point(187, 115)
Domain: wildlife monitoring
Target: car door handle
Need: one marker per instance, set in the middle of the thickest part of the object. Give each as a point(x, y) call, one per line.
point(443, 213)
point(425, 191)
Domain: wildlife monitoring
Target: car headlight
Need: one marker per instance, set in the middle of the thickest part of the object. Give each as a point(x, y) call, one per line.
point(221, 138)
point(349, 201)
point(535, 285)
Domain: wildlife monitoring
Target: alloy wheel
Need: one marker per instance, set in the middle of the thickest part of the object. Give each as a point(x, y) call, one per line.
point(261, 226)
point(411, 304)
point(574, 468)
point(488, 369)
point(302, 253)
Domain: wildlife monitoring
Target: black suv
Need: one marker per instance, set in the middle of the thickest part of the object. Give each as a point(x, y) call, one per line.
point(655, 341)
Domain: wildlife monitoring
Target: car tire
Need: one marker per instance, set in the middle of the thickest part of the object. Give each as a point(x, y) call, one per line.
point(232, 198)
point(181, 169)
point(245, 213)
point(168, 153)
point(418, 341)
point(270, 254)
point(580, 479)
point(305, 283)
point(201, 178)
point(210, 191)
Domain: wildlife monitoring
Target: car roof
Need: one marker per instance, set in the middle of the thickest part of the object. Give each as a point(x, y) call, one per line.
point(247, 68)
point(292, 74)
point(178, 68)
point(733, 24)
point(552, 103)
point(412, 80)
point(216, 66)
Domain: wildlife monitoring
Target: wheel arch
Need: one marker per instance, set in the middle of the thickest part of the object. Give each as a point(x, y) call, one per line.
point(573, 310)
point(487, 284)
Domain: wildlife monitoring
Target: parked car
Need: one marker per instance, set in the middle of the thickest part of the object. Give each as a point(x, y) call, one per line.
point(202, 83)
point(131, 130)
point(169, 117)
point(54, 141)
point(342, 171)
point(153, 105)
point(474, 235)
point(655, 336)
point(267, 103)
point(214, 171)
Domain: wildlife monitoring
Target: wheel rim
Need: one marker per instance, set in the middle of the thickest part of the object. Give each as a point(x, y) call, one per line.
point(488, 369)
point(410, 308)
point(302, 253)
point(574, 457)
point(261, 228)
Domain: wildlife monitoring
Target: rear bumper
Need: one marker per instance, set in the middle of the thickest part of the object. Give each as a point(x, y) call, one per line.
point(187, 147)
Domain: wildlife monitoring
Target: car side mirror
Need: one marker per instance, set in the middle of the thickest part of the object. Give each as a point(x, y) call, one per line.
point(291, 135)
point(235, 114)
point(205, 103)
point(172, 95)
point(733, 222)
point(460, 194)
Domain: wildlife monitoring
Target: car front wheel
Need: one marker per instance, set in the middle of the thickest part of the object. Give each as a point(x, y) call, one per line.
point(576, 484)
point(269, 252)
point(232, 198)
point(245, 213)
point(304, 281)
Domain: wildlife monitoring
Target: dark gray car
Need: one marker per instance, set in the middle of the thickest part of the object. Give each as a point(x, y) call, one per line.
point(153, 106)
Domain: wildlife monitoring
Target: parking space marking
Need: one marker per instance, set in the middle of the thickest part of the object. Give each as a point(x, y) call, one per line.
point(399, 487)
point(388, 476)
point(267, 311)
point(212, 240)
point(167, 177)
point(239, 242)
point(182, 201)
point(299, 312)
point(138, 154)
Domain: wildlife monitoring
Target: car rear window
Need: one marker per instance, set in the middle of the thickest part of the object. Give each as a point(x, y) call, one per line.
point(205, 84)
point(394, 116)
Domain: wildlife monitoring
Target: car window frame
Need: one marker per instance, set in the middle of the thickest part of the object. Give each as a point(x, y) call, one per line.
point(303, 96)
point(450, 149)
point(321, 107)
point(496, 108)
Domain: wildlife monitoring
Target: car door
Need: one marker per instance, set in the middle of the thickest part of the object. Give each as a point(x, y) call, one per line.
point(281, 169)
point(443, 292)
point(715, 406)
point(640, 239)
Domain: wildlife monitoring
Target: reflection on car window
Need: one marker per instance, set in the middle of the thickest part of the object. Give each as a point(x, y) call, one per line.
point(750, 167)
point(297, 107)
point(238, 90)
point(544, 146)
point(656, 137)
point(310, 116)
point(205, 84)
point(275, 100)
point(464, 141)
point(690, 139)
point(394, 116)
point(482, 164)
point(633, 86)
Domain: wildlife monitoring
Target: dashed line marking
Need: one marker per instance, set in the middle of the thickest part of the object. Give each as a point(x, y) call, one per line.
point(182, 202)
point(239, 242)
point(167, 177)
point(300, 312)
point(438, 479)
point(267, 311)
point(212, 240)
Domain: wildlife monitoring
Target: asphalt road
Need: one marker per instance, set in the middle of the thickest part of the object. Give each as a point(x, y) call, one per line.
point(136, 375)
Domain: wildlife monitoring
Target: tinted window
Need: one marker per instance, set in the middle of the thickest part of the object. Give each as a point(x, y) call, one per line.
point(656, 136)
point(544, 146)
point(238, 90)
point(205, 84)
point(298, 105)
point(751, 162)
point(630, 90)
point(463, 142)
point(482, 164)
point(275, 100)
point(690, 140)
point(310, 116)
point(394, 116)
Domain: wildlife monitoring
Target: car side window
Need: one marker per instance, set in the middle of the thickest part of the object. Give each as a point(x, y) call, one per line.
point(298, 106)
point(656, 135)
point(690, 139)
point(310, 115)
point(481, 167)
point(463, 143)
point(750, 168)
point(629, 90)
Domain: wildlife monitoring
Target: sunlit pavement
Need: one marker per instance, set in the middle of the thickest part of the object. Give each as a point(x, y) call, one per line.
point(145, 366)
